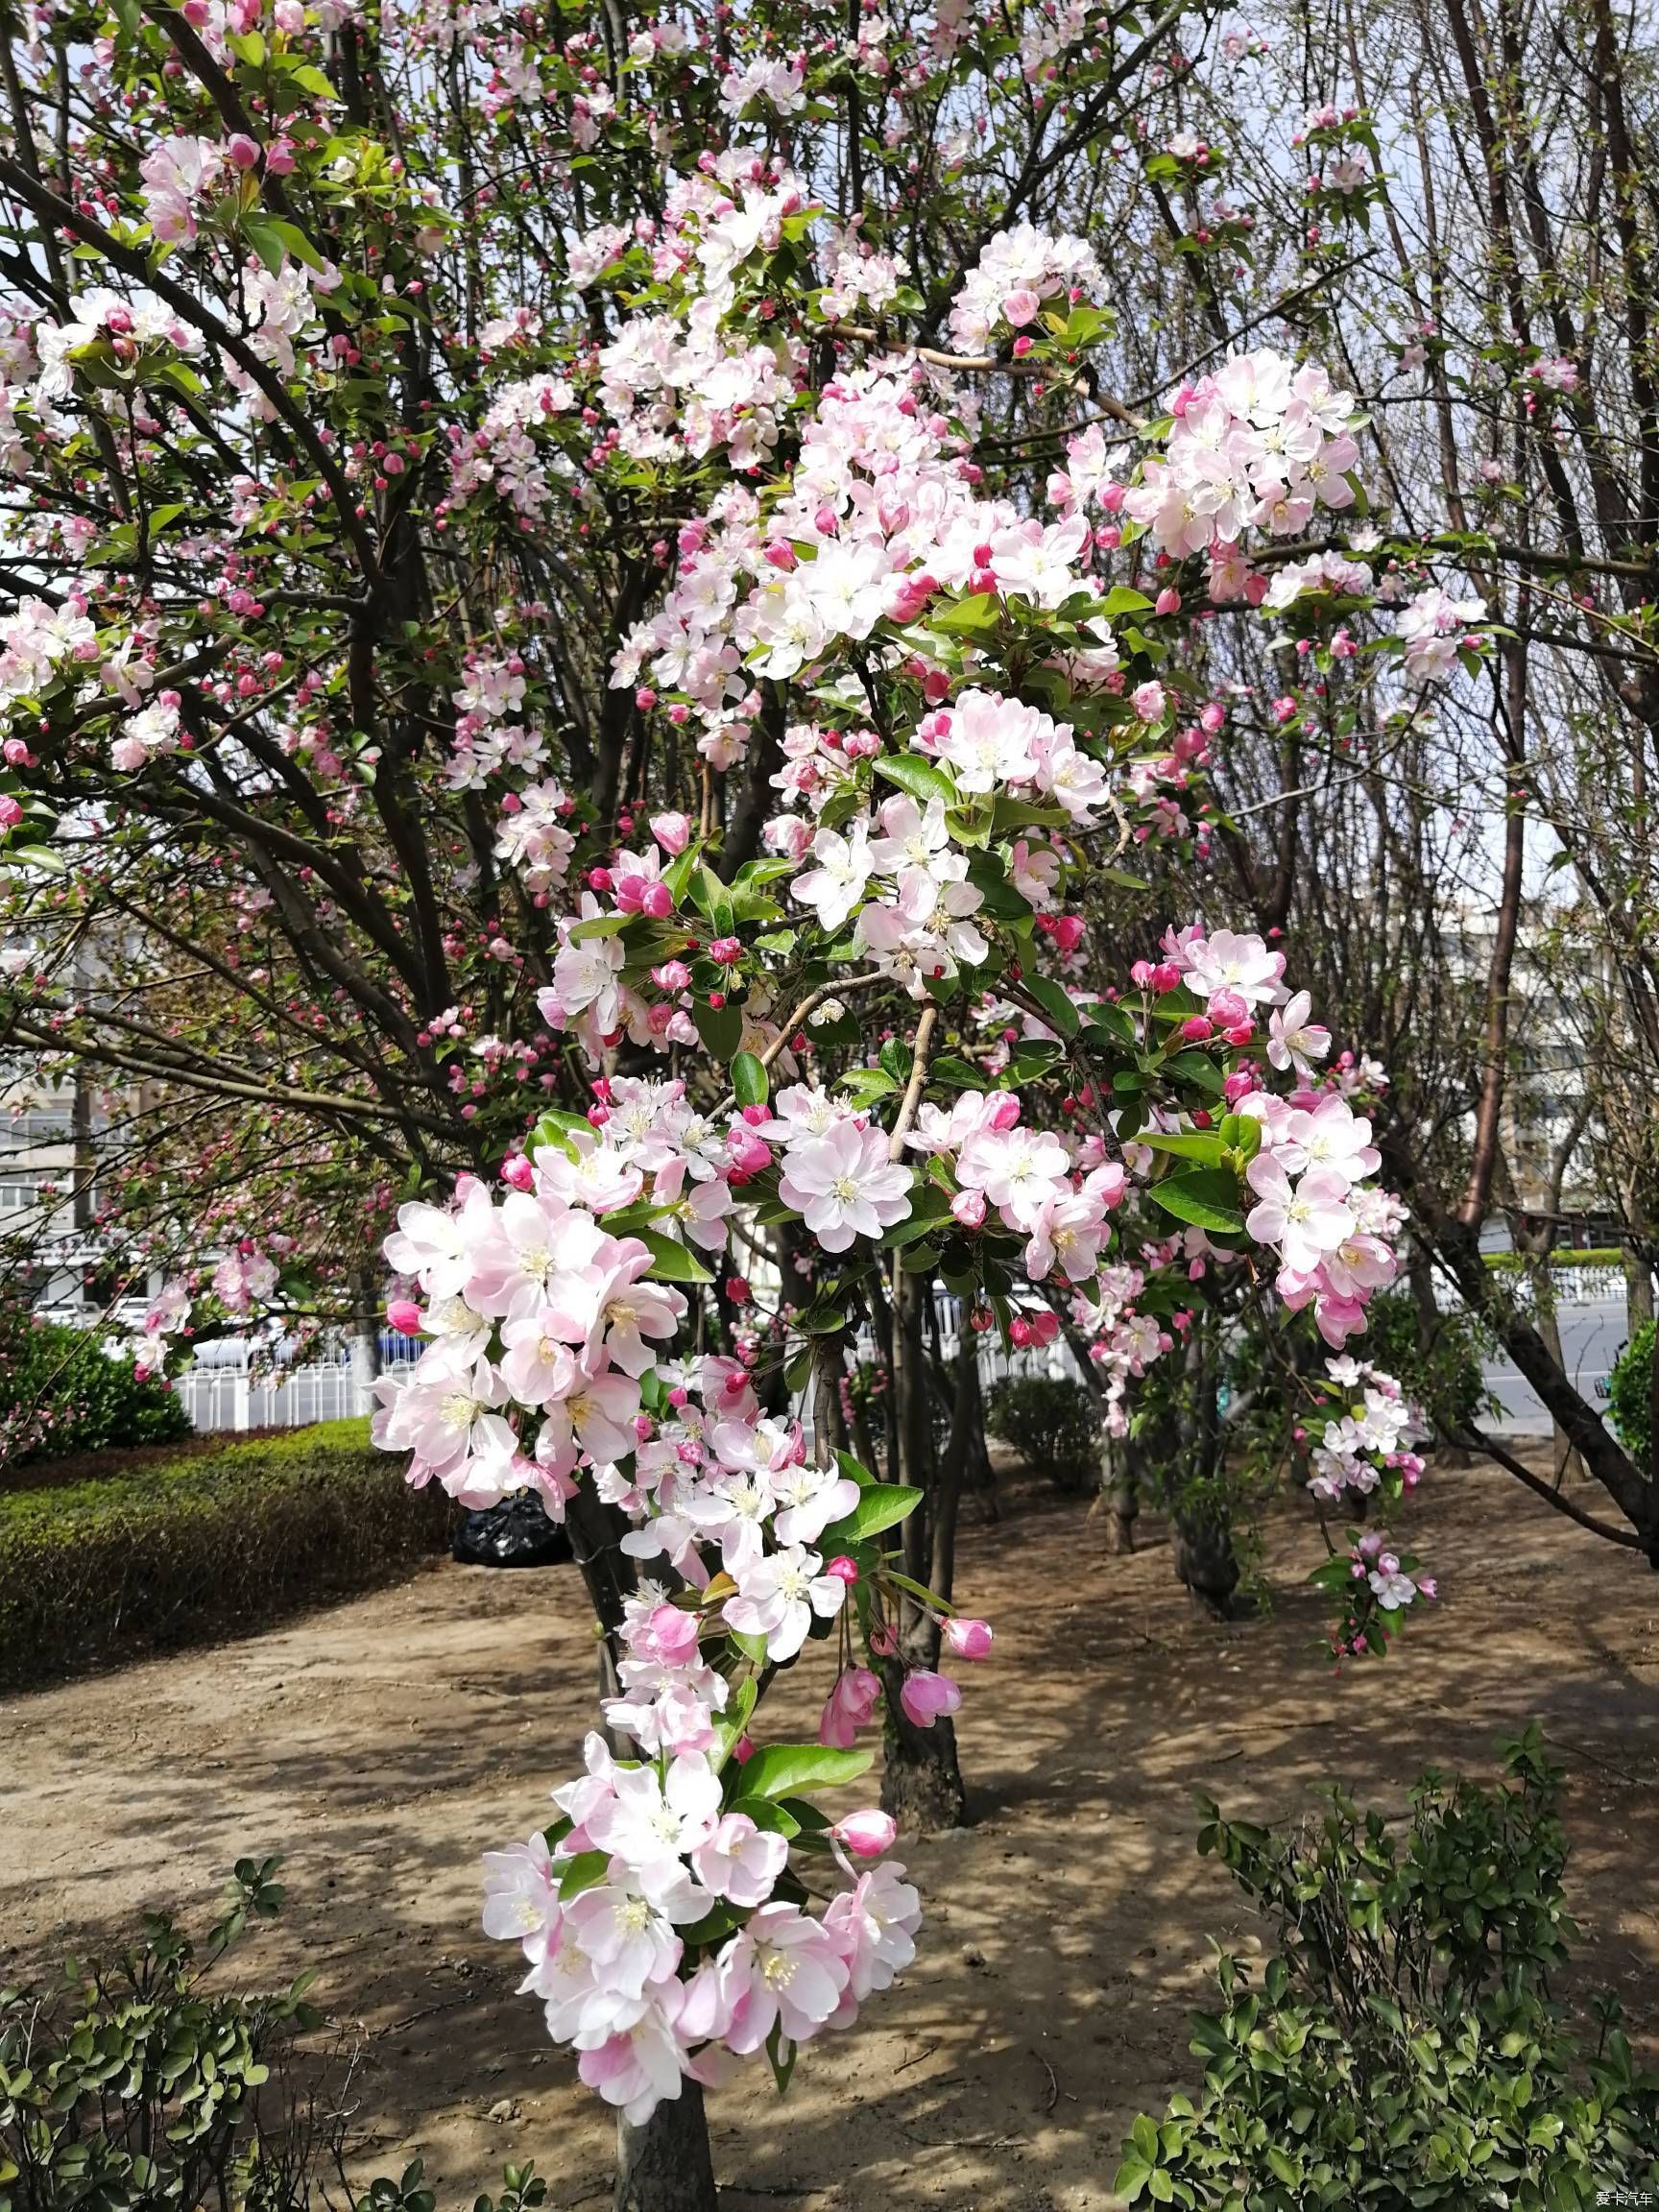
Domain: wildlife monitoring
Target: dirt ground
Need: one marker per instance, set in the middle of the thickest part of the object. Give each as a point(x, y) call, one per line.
point(382, 1746)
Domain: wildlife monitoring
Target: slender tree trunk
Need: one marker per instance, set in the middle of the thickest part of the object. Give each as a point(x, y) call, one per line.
point(1637, 1288)
point(920, 1780)
point(1202, 1538)
point(1119, 1493)
point(665, 2164)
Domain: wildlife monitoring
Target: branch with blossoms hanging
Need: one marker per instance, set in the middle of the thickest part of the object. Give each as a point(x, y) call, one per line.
point(965, 742)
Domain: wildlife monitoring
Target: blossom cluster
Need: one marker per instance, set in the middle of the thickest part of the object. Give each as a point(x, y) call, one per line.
point(664, 1934)
point(1369, 1439)
point(1259, 445)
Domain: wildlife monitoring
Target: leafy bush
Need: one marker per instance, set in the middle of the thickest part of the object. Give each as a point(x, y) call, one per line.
point(136, 2085)
point(1050, 1421)
point(202, 1548)
point(1630, 1395)
point(64, 1393)
point(1401, 2051)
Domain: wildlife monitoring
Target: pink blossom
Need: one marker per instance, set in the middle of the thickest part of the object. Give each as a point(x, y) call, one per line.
point(927, 1695)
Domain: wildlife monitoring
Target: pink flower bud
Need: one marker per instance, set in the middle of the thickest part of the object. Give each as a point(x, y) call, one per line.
point(737, 1290)
point(11, 811)
point(866, 1835)
point(926, 1696)
point(843, 1569)
point(242, 152)
point(1227, 1006)
point(1213, 718)
point(672, 832)
point(516, 1172)
point(1168, 601)
point(1022, 307)
point(404, 1315)
point(1196, 1028)
point(1068, 932)
point(1021, 347)
point(657, 901)
point(672, 976)
point(969, 1209)
point(968, 1639)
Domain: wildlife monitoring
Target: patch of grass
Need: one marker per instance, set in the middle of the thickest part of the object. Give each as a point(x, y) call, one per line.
point(199, 1547)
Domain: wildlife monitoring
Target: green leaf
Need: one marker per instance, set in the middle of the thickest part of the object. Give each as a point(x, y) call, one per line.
point(981, 612)
point(584, 1871)
point(714, 900)
point(1056, 1003)
point(1123, 599)
point(997, 895)
point(1195, 1068)
point(923, 780)
point(720, 1027)
point(781, 1770)
point(1206, 1197)
point(672, 1261)
point(1190, 1143)
point(881, 1506)
point(749, 1079)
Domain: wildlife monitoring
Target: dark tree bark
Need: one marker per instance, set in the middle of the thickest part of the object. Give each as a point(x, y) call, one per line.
point(665, 2165)
point(1119, 1493)
point(921, 1781)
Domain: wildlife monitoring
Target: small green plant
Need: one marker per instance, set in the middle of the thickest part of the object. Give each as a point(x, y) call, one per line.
point(1050, 1421)
point(64, 1393)
point(139, 2085)
point(1630, 1396)
point(1403, 2052)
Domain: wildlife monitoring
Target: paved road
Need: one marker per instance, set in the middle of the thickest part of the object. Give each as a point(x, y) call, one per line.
point(1592, 1338)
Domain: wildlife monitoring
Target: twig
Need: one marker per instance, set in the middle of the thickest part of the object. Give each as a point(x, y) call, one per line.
point(917, 1077)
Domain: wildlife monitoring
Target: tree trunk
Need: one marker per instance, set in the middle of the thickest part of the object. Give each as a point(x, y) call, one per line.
point(363, 1346)
point(1119, 1493)
point(665, 2164)
point(1637, 1288)
point(920, 1780)
point(1201, 1540)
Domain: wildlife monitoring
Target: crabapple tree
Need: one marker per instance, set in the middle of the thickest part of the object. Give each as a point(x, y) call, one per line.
point(542, 588)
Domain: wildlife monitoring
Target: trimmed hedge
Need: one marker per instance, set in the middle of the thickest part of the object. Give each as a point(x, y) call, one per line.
point(200, 1548)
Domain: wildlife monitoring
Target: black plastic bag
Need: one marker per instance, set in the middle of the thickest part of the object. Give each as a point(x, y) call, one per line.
point(516, 1533)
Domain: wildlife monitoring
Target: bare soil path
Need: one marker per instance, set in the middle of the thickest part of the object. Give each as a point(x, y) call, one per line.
point(382, 1746)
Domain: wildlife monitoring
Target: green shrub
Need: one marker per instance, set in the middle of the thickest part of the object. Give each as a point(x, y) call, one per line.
point(64, 1393)
point(1630, 1396)
point(202, 1548)
point(139, 2085)
point(1050, 1421)
point(1402, 2050)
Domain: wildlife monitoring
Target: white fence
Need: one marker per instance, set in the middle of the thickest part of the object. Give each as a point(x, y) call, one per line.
point(227, 1398)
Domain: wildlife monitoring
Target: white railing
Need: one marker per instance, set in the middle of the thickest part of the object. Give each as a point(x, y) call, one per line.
point(218, 1398)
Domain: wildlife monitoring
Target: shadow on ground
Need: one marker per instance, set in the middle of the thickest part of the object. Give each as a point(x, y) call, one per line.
point(382, 1746)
